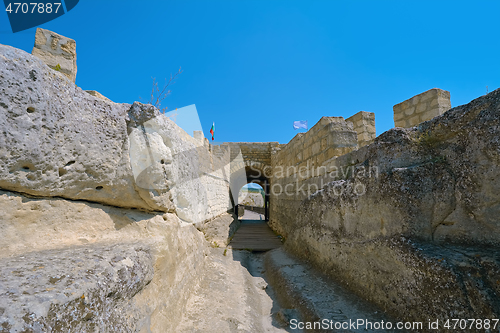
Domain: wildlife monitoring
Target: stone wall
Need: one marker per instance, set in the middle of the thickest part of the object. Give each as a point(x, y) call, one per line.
point(214, 172)
point(215, 177)
point(250, 162)
point(94, 200)
point(364, 124)
point(80, 266)
point(303, 166)
point(58, 140)
point(252, 153)
point(57, 51)
point(412, 222)
point(421, 107)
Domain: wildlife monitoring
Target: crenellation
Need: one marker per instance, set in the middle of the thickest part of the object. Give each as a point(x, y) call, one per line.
point(364, 124)
point(56, 51)
point(421, 107)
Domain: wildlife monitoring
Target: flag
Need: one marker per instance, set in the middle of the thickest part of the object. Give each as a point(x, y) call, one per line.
point(212, 130)
point(300, 124)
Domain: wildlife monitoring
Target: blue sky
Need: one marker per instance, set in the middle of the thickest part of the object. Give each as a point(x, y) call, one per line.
point(253, 67)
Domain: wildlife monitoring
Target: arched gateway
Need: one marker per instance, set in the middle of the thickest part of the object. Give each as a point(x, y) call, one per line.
point(251, 163)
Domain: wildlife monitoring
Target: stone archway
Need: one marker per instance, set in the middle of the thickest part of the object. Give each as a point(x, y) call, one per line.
point(258, 173)
point(251, 163)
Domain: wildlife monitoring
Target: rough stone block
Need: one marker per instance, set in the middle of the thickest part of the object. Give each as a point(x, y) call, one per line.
point(323, 143)
point(101, 154)
point(413, 121)
point(363, 136)
point(330, 153)
point(364, 122)
point(398, 116)
point(423, 103)
point(315, 148)
point(409, 111)
point(98, 95)
point(56, 51)
point(430, 114)
point(421, 107)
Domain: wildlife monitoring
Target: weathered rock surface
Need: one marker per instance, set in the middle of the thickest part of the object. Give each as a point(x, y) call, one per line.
point(232, 297)
point(308, 296)
point(57, 51)
point(220, 230)
point(57, 140)
point(98, 95)
point(76, 242)
point(75, 289)
point(436, 184)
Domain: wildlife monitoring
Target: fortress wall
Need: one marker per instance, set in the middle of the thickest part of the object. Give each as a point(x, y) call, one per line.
point(303, 166)
point(214, 172)
point(256, 152)
point(57, 51)
point(421, 107)
point(413, 224)
point(364, 125)
point(215, 176)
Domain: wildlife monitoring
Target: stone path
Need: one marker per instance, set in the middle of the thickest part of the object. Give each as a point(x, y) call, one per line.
point(254, 234)
point(256, 291)
point(306, 295)
point(232, 297)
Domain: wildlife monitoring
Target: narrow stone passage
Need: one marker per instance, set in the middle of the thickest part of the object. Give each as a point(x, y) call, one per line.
point(234, 296)
point(267, 291)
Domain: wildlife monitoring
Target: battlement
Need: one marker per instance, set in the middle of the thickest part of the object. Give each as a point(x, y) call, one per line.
point(422, 107)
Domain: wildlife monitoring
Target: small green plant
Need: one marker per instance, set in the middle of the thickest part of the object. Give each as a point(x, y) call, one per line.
point(58, 68)
point(225, 251)
point(214, 244)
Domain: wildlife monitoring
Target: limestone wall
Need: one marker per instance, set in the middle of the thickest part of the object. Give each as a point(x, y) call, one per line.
point(58, 140)
point(94, 200)
point(250, 162)
point(79, 265)
point(214, 173)
point(406, 225)
point(364, 124)
point(252, 153)
point(215, 177)
point(421, 107)
point(304, 166)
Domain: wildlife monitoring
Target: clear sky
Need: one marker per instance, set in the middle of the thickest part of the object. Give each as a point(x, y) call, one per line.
point(253, 67)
